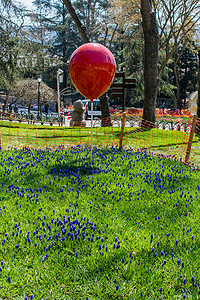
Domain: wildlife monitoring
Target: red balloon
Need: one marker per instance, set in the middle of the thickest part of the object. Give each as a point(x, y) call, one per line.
point(92, 69)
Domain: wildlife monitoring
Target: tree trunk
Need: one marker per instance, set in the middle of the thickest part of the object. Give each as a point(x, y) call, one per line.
point(151, 41)
point(81, 28)
point(198, 99)
point(29, 107)
point(197, 130)
point(64, 49)
point(40, 108)
point(6, 100)
point(106, 121)
point(174, 100)
point(177, 102)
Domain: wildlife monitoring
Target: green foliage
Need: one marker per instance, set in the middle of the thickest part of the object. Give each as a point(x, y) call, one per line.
point(65, 37)
point(10, 49)
point(187, 70)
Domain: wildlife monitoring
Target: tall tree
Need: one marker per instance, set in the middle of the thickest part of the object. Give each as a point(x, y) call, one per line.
point(12, 45)
point(151, 41)
point(39, 33)
point(198, 100)
point(176, 22)
point(177, 31)
point(185, 65)
point(87, 32)
point(65, 37)
point(75, 18)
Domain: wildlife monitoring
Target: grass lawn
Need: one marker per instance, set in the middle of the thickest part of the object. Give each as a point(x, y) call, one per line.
point(124, 227)
point(166, 142)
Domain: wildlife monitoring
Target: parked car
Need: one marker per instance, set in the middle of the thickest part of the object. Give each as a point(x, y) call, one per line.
point(35, 108)
point(96, 108)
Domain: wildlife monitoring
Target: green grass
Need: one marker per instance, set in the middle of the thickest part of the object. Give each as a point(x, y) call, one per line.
point(132, 197)
point(165, 142)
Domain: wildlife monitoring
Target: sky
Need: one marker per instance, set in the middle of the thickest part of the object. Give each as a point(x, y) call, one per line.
point(27, 3)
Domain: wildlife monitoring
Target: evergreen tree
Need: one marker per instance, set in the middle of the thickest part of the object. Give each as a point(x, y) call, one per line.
point(185, 78)
point(188, 67)
point(65, 37)
point(12, 45)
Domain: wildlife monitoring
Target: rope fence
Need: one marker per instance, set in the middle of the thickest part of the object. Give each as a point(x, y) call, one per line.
point(173, 137)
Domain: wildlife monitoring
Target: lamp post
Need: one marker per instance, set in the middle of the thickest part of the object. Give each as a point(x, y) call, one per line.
point(59, 72)
point(39, 82)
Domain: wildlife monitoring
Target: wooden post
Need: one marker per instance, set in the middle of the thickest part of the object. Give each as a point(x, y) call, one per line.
point(124, 95)
point(0, 136)
point(122, 130)
point(190, 139)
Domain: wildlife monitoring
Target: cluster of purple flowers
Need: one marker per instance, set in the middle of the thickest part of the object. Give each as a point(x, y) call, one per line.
point(108, 184)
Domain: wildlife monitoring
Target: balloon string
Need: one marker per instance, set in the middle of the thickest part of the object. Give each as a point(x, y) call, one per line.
point(91, 126)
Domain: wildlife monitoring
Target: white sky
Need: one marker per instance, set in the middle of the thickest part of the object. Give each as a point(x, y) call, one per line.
point(27, 3)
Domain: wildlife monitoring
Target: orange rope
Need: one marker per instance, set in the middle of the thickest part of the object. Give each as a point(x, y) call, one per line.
point(11, 145)
point(63, 135)
point(27, 139)
point(18, 134)
point(138, 134)
point(54, 137)
point(46, 137)
point(36, 137)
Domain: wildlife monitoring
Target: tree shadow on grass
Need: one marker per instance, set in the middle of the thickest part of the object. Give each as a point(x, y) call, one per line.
point(74, 169)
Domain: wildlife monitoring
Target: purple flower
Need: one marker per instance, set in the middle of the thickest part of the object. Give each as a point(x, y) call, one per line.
point(117, 287)
point(160, 290)
point(178, 261)
point(184, 281)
